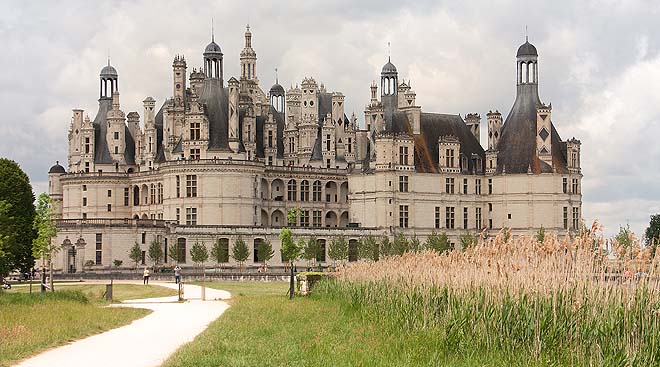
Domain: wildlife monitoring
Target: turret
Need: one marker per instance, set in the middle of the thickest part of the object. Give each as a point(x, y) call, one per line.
point(544, 133)
point(179, 78)
point(150, 147)
point(233, 114)
point(116, 131)
point(494, 129)
point(55, 188)
point(573, 155)
point(473, 122)
point(248, 58)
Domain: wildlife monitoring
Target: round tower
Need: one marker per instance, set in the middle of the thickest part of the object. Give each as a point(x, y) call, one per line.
point(527, 64)
point(213, 60)
point(109, 81)
point(55, 188)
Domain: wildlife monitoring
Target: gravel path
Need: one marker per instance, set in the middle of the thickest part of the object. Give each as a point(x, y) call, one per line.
point(145, 342)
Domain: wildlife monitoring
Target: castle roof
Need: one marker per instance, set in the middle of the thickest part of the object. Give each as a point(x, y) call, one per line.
point(527, 49)
point(57, 168)
point(216, 102)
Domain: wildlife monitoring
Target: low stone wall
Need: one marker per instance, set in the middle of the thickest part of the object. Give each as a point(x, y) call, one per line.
point(168, 277)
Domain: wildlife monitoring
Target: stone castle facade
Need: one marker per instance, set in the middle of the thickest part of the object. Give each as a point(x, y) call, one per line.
point(222, 159)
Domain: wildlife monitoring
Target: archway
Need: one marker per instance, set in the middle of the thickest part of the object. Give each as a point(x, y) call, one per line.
point(277, 219)
point(136, 195)
point(343, 219)
point(331, 192)
point(277, 190)
point(343, 192)
point(264, 189)
point(264, 218)
point(331, 219)
point(145, 195)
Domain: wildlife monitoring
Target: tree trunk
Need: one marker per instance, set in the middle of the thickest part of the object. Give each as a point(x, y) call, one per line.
point(291, 284)
point(50, 271)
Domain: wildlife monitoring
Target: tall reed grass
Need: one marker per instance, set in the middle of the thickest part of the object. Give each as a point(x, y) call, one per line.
point(558, 302)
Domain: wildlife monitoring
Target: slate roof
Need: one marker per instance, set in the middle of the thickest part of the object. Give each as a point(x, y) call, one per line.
point(527, 49)
point(517, 145)
point(101, 150)
point(215, 100)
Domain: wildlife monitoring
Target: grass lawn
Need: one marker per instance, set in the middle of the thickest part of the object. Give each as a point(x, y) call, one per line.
point(264, 328)
point(32, 323)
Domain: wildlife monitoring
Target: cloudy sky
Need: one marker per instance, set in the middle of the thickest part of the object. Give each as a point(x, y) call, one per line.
point(599, 66)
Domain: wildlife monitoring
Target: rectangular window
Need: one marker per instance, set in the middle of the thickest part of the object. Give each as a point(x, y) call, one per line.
point(449, 158)
point(109, 207)
point(292, 190)
point(116, 135)
point(350, 145)
point(490, 186)
point(403, 183)
point(178, 216)
point(477, 186)
point(195, 131)
point(465, 186)
point(84, 201)
point(109, 193)
point(270, 160)
point(575, 186)
point(403, 156)
point(86, 145)
point(576, 218)
point(178, 186)
point(437, 217)
point(327, 142)
point(449, 217)
point(403, 216)
point(564, 184)
point(465, 218)
point(191, 216)
point(565, 218)
point(304, 218)
point(191, 186)
point(86, 167)
point(126, 193)
point(99, 248)
point(195, 154)
point(316, 191)
point(116, 150)
point(270, 138)
point(84, 187)
point(490, 223)
point(449, 185)
point(144, 258)
point(478, 218)
point(316, 218)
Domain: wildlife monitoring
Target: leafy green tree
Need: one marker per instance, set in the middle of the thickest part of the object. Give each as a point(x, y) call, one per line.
point(368, 248)
point(467, 240)
point(155, 252)
point(438, 242)
point(312, 250)
point(290, 251)
point(540, 235)
point(199, 253)
point(240, 251)
point(265, 251)
point(652, 233)
point(16, 218)
point(174, 253)
point(135, 254)
point(220, 251)
point(506, 234)
point(386, 247)
point(338, 250)
point(117, 263)
point(401, 245)
point(43, 246)
point(624, 239)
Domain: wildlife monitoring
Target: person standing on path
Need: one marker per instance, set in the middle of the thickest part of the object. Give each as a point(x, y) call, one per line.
point(146, 275)
point(177, 274)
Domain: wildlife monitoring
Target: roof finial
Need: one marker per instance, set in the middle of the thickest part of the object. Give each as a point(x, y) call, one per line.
point(526, 36)
point(389, 51)
point(276, 79)
point(212, 31)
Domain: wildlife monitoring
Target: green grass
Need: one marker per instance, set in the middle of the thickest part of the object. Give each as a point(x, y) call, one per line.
point(264, 328)
point(30, 323)
point(96, 292)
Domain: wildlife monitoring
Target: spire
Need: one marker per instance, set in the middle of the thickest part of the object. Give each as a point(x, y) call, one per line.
point(526, 35)
point(276, 78)
point(389, 51)
point(212, 31)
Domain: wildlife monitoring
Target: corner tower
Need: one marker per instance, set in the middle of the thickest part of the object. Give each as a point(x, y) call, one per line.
point(248, 58)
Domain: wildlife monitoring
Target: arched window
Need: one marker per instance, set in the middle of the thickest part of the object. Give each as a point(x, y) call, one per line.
point(291, 190)
point(304, 190)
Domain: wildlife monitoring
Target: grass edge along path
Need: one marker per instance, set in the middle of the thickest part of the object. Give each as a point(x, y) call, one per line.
point(30, 324)
point(262, 327)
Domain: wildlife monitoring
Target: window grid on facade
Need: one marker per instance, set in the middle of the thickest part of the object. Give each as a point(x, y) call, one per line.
point(304, 218)
point(449, 217)
point(477, 186)
point(403, 156)
point(576, 218)
point(565, 218)
point(178, 215)
point(574, 186)
point(478, 218)
point(316, 191)
point(437, 217)
point(152, 192)
point(403, 183)
point(270, 138)
point(465, 186)
point(126, 194)
point(403, 216)
point(99, 248)
point(291, 193)
point(449, 185)
point(465, 218)
point(316, 218)
point(160, 193)
point(84, 202)
point(564, 184)
point(191, 216)
point(449, 158)
point(178, 186)
point(195, 154)
point(304, 190)
point(191, 186)
point(195, 131)
point(109, 207)
point(490, 186)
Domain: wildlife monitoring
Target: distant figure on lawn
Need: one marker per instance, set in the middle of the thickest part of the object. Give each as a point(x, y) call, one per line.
point(177, 274)
point(146, 275)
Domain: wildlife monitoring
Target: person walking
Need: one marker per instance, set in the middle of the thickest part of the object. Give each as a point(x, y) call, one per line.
point(146, 275)
point(177, 274)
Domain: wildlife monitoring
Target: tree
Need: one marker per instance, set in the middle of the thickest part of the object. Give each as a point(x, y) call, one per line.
point(199, 254)
point(415, 244)
point(652, 233)
point(438, 242)
point(16, 218)
point(240, 252)
point(117, 263)
point(290, 252)
point(220, 251)
point(174, 254)
point(624, 239)
point(368, 248)
point(43, 246)
point(135, 254)
point(155, 252)
point(386, 248)
point(338, 250)
point(311, 250)
point(467, 240)
point(265, 251)
point(400, 245)
point(540, 235)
